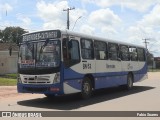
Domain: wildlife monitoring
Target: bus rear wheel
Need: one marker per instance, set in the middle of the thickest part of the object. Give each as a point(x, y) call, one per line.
point(86, 88)
point(129, 82)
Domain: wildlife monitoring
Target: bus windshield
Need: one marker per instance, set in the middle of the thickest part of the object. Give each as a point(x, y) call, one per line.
point(40, 54)
point(26, 57)
point(48, 54)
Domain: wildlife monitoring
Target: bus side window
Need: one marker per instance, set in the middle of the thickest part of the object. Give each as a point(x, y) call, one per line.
point(133, 53)
point(87, 50)
point(124, 53)
point(100, 50)
point(113, 51)
point(141, 54)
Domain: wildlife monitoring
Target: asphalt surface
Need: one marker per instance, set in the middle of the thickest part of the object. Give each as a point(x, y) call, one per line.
point(145, 96)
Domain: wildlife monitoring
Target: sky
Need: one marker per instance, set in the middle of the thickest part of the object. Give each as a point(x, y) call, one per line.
point(129, 21)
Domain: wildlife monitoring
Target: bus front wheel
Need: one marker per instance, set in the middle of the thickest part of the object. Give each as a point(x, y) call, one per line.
point(86, 88)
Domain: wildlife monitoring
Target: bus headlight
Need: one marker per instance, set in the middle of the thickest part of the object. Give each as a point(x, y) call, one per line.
point(56, 78)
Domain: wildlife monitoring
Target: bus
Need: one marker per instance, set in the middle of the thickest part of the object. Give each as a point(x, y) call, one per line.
point(61, 62)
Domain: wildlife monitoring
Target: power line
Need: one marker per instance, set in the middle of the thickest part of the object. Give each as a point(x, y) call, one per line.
point(68, 9)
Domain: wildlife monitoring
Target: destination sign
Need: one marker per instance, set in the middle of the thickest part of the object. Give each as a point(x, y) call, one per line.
point(42, 35)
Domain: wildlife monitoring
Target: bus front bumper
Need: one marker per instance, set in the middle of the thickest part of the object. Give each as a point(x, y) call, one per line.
point(54, 89)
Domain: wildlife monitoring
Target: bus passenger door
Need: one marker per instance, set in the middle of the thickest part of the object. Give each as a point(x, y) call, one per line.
point(79, 57)
point(76, 65)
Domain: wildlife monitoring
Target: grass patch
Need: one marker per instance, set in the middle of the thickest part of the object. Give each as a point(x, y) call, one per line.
point(12, 75)
point(8, 82)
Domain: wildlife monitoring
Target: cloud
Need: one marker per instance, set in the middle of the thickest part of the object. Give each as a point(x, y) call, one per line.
point(6, 7)
point(53, 15)
point(138, 5)
point(103, 17)
point(109, 31)
point(87, 29)
point(149, 23)
point(26, 21)
point(153, 18)
point(103, 21)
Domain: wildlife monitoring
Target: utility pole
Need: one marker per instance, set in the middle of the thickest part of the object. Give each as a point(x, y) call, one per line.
point(146, 43)
point(68, 9)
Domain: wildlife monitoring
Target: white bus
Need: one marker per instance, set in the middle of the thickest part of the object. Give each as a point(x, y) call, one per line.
point(58, 62)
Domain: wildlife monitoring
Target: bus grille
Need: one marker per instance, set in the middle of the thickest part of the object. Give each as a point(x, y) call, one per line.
point(37, 79)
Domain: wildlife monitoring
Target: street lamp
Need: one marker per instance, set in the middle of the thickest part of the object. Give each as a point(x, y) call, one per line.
point(76, 21)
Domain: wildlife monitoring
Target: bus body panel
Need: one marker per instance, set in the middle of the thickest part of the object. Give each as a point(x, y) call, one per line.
point(104, 78)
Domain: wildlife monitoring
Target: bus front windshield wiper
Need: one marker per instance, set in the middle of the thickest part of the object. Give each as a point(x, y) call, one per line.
point(43, 46)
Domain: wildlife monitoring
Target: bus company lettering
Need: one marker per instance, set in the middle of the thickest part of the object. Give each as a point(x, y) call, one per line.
point(87, 66)
point(40, 35)
point(110, 66)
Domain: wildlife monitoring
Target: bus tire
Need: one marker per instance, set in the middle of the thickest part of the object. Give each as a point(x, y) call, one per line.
point(86, 88)
point(129, 85)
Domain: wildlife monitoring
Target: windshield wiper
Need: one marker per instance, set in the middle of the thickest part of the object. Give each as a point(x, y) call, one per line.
point(43, 46)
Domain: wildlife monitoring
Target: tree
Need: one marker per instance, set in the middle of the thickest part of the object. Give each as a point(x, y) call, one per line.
point(12, 34)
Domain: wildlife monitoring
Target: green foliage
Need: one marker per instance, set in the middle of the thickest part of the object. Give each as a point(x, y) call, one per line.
point(12, 34)
point(13, 76)
point(7, 82)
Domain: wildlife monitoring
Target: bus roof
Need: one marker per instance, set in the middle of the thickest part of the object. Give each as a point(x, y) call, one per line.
point(76, 34)
point(98, 38)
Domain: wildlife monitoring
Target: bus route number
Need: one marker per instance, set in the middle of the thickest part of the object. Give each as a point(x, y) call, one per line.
point(86, 66)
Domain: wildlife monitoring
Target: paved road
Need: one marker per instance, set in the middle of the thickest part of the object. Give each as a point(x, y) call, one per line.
point(145, 96)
